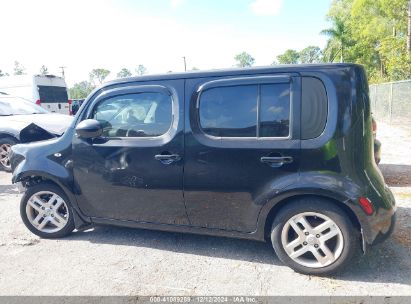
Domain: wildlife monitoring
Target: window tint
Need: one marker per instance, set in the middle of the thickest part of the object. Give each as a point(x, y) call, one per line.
point(314, 108)
point(50, 94)
point(275, 110)
point(229, 111)
point(135, 115)
point(232, 111)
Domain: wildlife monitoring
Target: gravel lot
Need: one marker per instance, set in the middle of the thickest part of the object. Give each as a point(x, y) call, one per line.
point(120, 261)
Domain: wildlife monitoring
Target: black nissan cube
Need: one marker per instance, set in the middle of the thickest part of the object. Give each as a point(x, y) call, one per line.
point(281, 154)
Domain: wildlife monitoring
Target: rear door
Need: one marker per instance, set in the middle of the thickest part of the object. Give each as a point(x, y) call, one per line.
point(54, 98)
point(242, 145)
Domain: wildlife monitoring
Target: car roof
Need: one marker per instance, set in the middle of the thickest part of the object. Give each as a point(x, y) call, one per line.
point(291, 68)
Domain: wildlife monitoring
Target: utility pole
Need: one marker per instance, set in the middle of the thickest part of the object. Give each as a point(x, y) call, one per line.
point(185, 63)
point(409, 28)
point(62, 71)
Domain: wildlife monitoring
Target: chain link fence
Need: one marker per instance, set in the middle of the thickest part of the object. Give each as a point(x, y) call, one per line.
point(391, 102)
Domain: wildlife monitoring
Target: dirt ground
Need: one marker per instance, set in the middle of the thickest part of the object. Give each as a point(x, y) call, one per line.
point(120, 261)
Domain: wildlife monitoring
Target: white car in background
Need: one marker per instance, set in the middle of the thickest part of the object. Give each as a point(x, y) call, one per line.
point(47, 91)
point(22, 121)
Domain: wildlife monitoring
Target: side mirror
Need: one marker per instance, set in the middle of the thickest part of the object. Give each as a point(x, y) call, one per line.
point(89, 128)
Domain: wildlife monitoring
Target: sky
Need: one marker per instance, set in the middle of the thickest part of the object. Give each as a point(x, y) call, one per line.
point(112, 34)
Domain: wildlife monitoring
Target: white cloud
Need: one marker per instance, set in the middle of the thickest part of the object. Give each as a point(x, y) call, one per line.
point(266, 7)
point(176, 3)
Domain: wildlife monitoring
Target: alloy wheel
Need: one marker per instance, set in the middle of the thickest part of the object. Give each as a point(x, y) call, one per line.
point(312, 239)
point(47, 212)
point(4, 155)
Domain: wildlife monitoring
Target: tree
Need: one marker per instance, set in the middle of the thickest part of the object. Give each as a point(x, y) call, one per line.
point(81, 90)
point(44, 70)
point(124, 72)
point(99, 75)
point(289, 57)
point(409, 29)
point(19, 69)
point(338, 33)
point(3, 73)
point(141, 70)
point(397, 61)
point(244, 60)
point(372, 33)
point(311, 54)
point(194, 68)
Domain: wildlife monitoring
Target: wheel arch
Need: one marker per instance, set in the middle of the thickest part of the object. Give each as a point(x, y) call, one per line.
point(275, 209)
point(30, 178)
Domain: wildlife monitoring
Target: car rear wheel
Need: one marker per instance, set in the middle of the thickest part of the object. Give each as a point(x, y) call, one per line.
point(5, 149)
point(45, 210)
point(314, 236)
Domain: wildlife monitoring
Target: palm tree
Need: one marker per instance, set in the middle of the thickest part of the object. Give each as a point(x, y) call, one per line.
point(339, 34)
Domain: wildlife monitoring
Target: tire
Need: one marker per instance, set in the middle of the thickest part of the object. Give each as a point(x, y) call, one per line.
point(308, 254)
point(5, 145)
point(60, 222)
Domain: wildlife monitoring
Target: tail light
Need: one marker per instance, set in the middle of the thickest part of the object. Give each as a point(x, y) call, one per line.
point(70, 102)
point(366, 205)
point(38, 102)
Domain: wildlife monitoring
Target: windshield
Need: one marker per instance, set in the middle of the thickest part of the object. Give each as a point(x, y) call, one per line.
point(18, 106)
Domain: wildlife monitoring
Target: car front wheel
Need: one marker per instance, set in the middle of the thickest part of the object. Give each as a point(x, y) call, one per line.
point(314, 236)
point(45, 210)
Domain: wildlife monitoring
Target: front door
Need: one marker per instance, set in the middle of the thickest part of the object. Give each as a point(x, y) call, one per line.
point(242, 146)
point(135, 170)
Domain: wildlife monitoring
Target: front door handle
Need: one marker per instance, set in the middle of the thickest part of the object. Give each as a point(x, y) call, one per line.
point(168, 158)
point(276, 161)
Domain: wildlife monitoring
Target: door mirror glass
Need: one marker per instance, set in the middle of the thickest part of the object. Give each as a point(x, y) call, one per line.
point(89, 128)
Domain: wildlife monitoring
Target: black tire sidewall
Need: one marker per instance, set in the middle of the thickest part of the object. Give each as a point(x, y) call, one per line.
point(55, 189)
point(350, 234)
point(12, 142)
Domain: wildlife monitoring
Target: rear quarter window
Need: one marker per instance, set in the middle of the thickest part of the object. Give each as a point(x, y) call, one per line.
point(314, 108)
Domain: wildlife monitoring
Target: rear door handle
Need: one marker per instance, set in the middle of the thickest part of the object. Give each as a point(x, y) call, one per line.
point(276, 161)
point(167, 159)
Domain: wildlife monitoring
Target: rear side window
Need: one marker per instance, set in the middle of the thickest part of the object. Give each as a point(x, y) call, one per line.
point(229, 111)
point(246, 111)
point(314, 108)
point(50, 94)
point(275, 110)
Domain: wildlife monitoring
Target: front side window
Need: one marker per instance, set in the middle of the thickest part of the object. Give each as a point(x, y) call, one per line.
point(246, 111)
point(135, 115)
